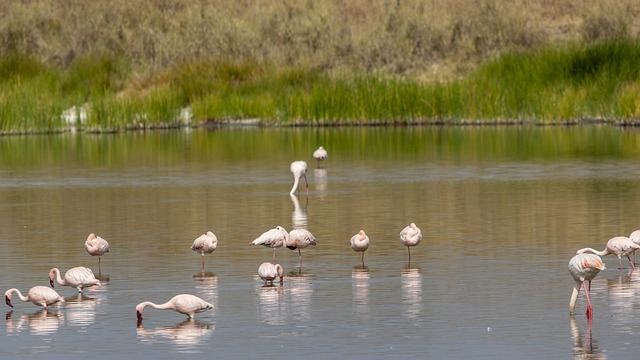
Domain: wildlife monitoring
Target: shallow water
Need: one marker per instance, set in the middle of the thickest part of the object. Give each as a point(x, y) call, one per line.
point(502, 211)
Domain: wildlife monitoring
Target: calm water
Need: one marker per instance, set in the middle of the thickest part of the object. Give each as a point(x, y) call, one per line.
point(502, 211)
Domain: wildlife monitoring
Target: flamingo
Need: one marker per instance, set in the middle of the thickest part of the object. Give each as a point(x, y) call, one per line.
point(635, 237)
point(583, 267)
point(96, 246)
point(299, 169)
point(300, 239)
point(38, 295)
point(78, 277)
point(410, 236)
point(268, 272)
point(273, 238)
point(205, 244)
point(184, 304)
point(619, 246)
point(320, 155)
point(360, 242)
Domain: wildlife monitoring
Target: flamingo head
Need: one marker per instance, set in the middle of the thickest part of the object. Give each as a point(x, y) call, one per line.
point(7, 299)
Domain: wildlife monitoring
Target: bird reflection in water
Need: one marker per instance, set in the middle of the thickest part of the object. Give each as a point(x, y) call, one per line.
point(185, 336)
point(624, 297)
point(300, 287)
point(41, 322)
point(412, 291)
point(81, 310)
point(320, 182)
point(360, 288)
point(270, 304)
point(299, 214)
point(206, 284)
point(583, 347)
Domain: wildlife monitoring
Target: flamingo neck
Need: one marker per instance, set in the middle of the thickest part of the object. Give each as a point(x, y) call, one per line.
point(296, 180)
point(14, 290)
point(593, 251)
point(574, 296)
point(60, 280)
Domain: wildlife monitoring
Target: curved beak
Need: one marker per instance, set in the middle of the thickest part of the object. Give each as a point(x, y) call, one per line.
point(8, 301)
point(51, 283)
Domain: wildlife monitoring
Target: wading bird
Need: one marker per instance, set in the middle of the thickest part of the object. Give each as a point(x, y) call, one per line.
point(184, 304)
point(320, 155)
point(300, 239)
point(78, 277)
point(205, 244)
point(299, 169)
point(619, 246)
point(410, 236)
point(583, 267)
point(360, 243)
point(635, 237)
point(96, 246)
point(38, 295)
point(273, 238)
point(269, 272)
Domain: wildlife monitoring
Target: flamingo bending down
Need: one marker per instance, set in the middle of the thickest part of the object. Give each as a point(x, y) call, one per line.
point(619, 246)
point(360, 242)
point(583, 267)
point(38, 295)
point(96, 246)
point(299, 169)
point(300, 239)
point(635, 237)
point(410, 236)
point(268, 272)
point(184, 304)
point(205, 244)
point(78, 277)
point(320, 155)
point(273, 238)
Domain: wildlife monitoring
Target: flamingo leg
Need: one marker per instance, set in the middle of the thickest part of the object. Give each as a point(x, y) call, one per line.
point(203, 263)
point(363, 258)
point(589, 308)
point(274, 254)
point(300, 256)
point(620, 261)
point(631, 263)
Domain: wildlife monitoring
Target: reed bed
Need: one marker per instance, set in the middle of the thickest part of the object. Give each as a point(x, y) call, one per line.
point(131, 64)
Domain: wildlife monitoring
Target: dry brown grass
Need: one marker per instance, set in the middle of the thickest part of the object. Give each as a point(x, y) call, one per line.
point(431, 39)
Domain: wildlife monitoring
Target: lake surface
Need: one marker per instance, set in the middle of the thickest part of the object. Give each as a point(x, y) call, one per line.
point(502, 210)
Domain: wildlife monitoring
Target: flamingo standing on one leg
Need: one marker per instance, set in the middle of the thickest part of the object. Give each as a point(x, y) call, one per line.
point(583, 267)
point(205, 244)
point(184, 304)
point(360, 243)
point(273, 238)
point(300, 239)
point(96, 246)
point(78, 277)
point(635, 237)
point(268, 272)
point(410, 236)
point(38, 295)
point(619, 246)
point(320, 155)
point(299, 169)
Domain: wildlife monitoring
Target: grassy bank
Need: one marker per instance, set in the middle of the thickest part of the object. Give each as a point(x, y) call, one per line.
point(105, 67)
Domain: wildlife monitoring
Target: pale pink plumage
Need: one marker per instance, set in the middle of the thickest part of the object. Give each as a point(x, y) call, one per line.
point(205, 244)
point(269, 272)
point(78, 277)
point(38, 295)
point(96, 246)
point(184, 303)
point(619, 246)
point(273, 238)
point(320, 155)
point(583, 267)
point(299, 169)
point(360, 243)
point(410, 236)
point(300, 239)
point(635, 237)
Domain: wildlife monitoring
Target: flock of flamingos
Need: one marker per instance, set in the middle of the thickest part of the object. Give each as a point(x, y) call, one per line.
point(584, 266)
point(81, 277)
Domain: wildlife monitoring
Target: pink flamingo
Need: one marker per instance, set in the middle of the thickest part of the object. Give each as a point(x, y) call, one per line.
point(320, 155)
point(38, 295)
point(619, 246)
point(299, 169)
point(583, 267)
point(410, 236)
point(635, 237)
point(184, 304)
point(268, 272)
point(273, 238)
point(360, 243)
point(78, 277)
point(205, 244)
point(96, 246)
point(300, 239)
